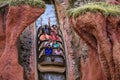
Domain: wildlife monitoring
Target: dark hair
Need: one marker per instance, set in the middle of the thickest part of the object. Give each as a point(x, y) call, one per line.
point(43, 31)
point(53, 25)
point(46, 26)
point(59, 48)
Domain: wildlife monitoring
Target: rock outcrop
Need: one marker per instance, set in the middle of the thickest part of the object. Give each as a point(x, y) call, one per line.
point(17, 19)
point(114, 2)
point(26, 52)
point(70, 38)
point(77, 51)
point(102, 35)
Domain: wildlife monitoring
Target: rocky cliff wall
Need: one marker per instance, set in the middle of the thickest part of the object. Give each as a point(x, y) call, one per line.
point(83, 61)
point(108, 58)
point(72, 42)
point(26, 52)
point(17, 19)
point(101, 34)
point(2, 35)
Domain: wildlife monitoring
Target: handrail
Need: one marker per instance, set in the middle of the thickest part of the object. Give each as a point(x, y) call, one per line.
point(47, 40)
point(51, 56)
point(42, 44)
point(52, 63)
point(42, 48)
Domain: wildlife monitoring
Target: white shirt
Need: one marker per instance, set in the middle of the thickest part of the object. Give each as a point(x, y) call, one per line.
point(58, 53)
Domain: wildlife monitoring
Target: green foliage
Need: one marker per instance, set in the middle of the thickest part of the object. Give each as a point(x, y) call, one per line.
point(71, 3)
point(104, 8)
point(33, 3)
point(4, 1)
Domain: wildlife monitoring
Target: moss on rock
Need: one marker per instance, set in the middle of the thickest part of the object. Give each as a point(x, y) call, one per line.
point(33, 3)
point(71, 3)
point(4, 1)
point(104, 8)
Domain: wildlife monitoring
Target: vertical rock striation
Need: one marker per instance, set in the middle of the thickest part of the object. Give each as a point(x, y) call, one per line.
point(26, 52)
point(99, 62)
point(2, 35)
point(114, 2)
point(101, 34)
point(17, 19)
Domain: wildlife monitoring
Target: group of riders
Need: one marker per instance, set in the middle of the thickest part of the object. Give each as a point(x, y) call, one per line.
point(50, 34)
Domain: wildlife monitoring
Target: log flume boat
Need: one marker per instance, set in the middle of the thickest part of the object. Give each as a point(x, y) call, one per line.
point(50, 67)
point(46, 62)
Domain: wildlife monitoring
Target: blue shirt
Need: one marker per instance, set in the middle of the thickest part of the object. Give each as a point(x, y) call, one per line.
point(48, 51)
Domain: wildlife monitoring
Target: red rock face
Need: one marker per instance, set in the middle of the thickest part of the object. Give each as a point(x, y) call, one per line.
point(2, 35)
point(91, 69)
point(17, 19)
point(26, 52)
point(101, 34)
point(114, 2)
